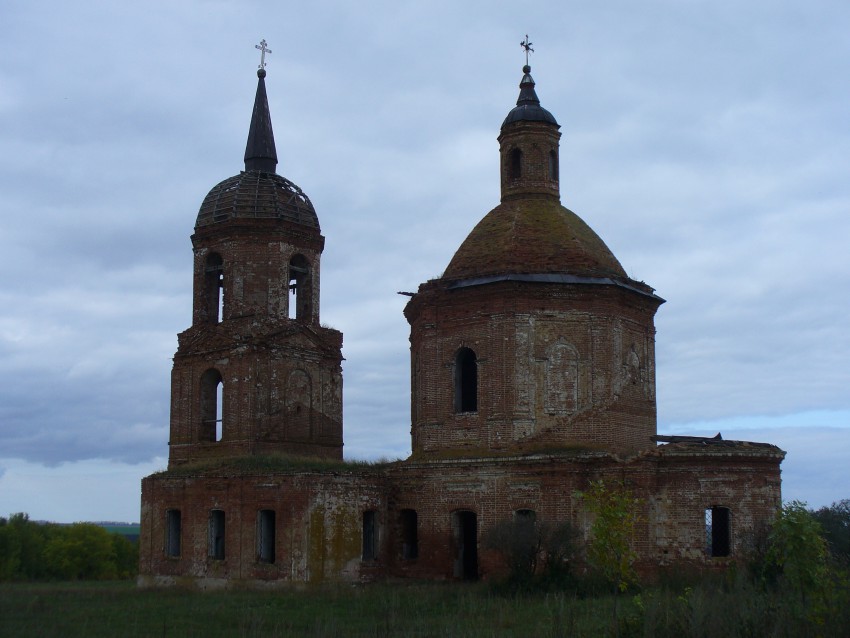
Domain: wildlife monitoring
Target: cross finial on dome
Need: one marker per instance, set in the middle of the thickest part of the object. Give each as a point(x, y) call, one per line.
point(263, 48)
point(526, 44)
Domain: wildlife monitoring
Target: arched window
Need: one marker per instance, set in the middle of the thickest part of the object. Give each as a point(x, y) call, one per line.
point(299, 285)
point(515, 164)
point(525, 517)
point(553, 165)
point(214, 287)
point(466, 381)
point(212, 406)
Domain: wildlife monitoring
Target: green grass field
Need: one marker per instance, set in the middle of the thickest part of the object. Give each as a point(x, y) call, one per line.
point(721, 608)
point(119, 609)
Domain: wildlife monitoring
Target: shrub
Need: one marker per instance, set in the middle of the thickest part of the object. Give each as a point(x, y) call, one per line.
point(616, 517)
point(532, 549)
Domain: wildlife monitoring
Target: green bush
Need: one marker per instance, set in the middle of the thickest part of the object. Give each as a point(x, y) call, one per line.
point(616, 515)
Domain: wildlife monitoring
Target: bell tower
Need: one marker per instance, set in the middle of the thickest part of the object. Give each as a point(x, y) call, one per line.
point(256, 373)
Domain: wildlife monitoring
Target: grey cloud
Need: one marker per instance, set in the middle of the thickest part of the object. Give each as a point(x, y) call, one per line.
point(711, 158)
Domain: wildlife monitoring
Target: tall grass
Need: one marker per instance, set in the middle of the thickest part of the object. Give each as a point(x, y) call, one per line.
point(118, 609)
point(725, 607)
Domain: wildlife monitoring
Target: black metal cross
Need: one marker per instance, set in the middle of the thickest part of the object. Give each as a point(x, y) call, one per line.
point(264, 49)
point(525, 44)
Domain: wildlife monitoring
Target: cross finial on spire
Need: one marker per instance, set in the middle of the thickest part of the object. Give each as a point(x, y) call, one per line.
point(525, 44)
point(264, 49)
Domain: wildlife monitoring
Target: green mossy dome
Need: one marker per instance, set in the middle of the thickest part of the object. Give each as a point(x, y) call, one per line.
point(531, 236)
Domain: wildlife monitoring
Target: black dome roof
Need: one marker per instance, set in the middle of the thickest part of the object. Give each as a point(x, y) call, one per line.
point(256, 194)
point(528, 107)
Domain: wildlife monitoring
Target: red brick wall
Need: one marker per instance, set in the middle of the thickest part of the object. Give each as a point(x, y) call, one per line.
point(282, 377)
point(558, 365)
point(535, 141)
point(256, 255)
point(319, 514)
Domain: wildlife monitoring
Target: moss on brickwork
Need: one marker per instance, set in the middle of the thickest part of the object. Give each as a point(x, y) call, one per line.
point(334, 541)
point(533, 235)
point(345, 545)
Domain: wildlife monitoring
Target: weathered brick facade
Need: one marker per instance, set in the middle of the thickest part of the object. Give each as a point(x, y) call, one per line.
point(532, 374)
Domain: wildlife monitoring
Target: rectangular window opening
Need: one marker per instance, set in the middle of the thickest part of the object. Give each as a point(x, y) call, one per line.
point(216, 535)
point(409, 534)
point(370, 535)
point(266, 536)
point(173, 530)
point(718, 531)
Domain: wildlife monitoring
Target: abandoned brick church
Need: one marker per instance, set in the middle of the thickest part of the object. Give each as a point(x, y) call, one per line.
point(532, 374)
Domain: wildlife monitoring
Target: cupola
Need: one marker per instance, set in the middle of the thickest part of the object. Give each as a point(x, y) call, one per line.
point(530, 232)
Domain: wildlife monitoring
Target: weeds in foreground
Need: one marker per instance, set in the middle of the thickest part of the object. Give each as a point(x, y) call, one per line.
point(726, 606)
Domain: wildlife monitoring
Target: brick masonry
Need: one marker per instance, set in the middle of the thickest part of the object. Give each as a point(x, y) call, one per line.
point(532, 374)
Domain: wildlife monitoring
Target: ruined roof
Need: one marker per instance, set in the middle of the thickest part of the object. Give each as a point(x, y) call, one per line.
point(532, 235)
point(679, 445)
point(255, 194)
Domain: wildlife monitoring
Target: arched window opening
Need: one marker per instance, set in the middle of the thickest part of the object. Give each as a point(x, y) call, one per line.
point(409, 522)
point(525, 517)
point(718, 531)
point(212, 406)
point(299, 285)
point(466, 381)
point(215, 540)
point(553, 165)
point(214, 287)
point(515, 164)
point(266, 536)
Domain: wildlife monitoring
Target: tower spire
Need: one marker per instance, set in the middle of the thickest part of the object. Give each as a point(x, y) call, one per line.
point(260, 152)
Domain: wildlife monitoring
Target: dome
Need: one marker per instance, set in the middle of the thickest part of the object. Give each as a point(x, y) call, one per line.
point(532, 236)
point(528, 107)
point(529, 113)
point(257, 194)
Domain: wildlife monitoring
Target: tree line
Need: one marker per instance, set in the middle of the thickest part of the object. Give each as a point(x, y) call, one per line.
point(49, 551)
point(84, 551)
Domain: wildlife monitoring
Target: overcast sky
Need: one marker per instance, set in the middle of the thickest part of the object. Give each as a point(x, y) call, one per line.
point(706, 141)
